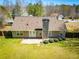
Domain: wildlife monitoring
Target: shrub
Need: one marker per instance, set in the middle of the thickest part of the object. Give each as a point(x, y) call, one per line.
point(63, 39)
point(55, 40)
point(45, 41)
point(51, 40)
point(60, 39)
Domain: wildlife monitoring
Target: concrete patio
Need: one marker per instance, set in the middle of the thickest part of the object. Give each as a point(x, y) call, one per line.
point(31, 41)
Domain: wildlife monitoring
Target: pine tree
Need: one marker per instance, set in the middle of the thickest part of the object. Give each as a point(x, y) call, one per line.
point(35, 9)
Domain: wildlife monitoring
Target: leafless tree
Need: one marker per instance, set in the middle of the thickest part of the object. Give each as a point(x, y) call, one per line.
point(49, 9)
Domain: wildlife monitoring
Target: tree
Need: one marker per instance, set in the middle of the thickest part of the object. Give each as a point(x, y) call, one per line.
point(73, 11)
point(38, 10)
point(77, 8)
point(9, 7)
point(1, 21)
point(65, 10)
point(3, 11)
point(13, 13)
point(35, 9)
point(18, 8)
point(30, 9)
point(77, 11)
point(49, 9)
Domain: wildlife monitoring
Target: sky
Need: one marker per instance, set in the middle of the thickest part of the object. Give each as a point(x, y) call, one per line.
point(47, 2)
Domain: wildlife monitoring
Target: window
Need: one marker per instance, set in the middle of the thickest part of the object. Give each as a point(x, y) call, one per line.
point(21, 33)
point(40, 33)
point(30, 32)
point(17, 33)
point(33, 32)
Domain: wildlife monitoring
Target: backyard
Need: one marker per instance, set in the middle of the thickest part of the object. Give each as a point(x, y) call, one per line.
point(13, 49)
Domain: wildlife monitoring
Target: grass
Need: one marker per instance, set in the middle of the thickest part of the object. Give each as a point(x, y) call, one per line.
point(13, 49)
point(72, 26)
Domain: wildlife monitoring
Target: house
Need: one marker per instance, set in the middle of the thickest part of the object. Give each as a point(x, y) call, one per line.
point(60, 17)
point(37, 27)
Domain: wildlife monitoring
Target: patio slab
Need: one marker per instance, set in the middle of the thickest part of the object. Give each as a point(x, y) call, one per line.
point(31, 41)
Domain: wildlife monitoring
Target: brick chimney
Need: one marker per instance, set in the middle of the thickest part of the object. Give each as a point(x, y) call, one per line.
point(45, 28)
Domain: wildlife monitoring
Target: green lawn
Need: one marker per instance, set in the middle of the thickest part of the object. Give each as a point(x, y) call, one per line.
point(13, 49)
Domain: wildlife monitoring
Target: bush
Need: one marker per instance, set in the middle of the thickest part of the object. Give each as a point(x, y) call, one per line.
point(63, 39)
point(56, 40)
point(45, 41)
point(60, 39)
point(51, 40)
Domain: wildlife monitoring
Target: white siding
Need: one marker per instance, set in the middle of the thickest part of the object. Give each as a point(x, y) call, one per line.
point(32, 34)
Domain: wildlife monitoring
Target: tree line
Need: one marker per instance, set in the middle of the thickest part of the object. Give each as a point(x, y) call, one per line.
point(38, 9)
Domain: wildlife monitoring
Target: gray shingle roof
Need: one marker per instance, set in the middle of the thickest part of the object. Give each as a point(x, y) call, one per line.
point(29, 23)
